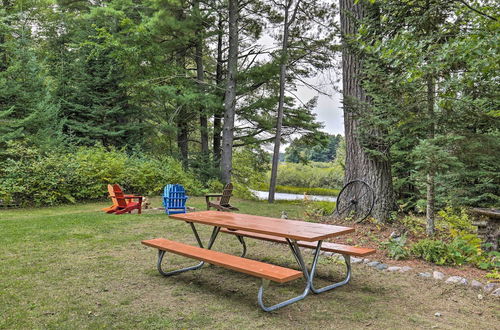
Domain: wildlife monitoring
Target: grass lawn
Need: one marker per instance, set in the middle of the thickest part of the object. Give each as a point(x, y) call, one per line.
point(76, 267)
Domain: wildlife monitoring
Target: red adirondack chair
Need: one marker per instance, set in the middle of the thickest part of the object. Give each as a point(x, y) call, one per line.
point(113, 207)
point(125, 202)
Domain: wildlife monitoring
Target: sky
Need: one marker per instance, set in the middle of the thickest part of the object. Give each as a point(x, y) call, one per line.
point(328, 109)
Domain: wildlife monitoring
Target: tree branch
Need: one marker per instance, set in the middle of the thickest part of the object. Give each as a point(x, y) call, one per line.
point(477, 10)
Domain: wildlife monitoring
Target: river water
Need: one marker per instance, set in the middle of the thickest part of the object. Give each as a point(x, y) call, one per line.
point(291, 197)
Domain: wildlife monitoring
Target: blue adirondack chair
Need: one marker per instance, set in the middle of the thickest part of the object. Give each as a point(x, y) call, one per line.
point(174, 199)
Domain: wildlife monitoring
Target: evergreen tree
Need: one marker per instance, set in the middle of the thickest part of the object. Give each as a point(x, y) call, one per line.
point(27, 110)
point(95, 104)
point(430, 74)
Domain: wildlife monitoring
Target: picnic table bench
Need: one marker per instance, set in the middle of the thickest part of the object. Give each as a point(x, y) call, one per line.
point(248, 266)
point(326, 246)
point(295, 233)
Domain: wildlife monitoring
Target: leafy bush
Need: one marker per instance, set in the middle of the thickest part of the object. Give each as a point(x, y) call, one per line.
point(312, 175)
point(413, 224)
point(301, 190)
point(396, 248)
point(431, 250)
point(490, 260)
point(34, 178)
point(457, 252)
point(456, 222)
point(494, 275)
point(248, 168)
point(316, 210)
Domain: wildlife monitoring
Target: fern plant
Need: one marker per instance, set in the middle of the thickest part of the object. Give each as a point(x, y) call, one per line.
point(396, 248)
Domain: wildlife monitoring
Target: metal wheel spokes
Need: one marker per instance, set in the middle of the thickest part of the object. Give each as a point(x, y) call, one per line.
point(355, 201)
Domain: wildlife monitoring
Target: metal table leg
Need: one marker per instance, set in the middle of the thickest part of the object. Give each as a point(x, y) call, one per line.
point(346, 280)
point(242, 241)
point(211, 242)
point(308, 276)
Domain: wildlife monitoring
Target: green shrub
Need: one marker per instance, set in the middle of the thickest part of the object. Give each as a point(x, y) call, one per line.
point(457, 252)
point(396, 248)
point(312, 175)
point(493, 275)
point(316, 210)
point(457, 221)
point(464, 246)
point(413, 224)
point(47, 179)
point(300, 190)
point(490, 260)
point(431, 250)
point(248, 168)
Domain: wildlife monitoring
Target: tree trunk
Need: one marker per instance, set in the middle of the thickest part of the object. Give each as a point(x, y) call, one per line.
point(3, 51)
point(279, 121)
point(431, 196)
point(200, 77)
point(358, 164)
point(219, 82)
point(230, 98)
point(182, 139)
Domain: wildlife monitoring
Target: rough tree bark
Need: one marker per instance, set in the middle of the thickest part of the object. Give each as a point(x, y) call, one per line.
point(182, 115)
point(219, 81)
point(3, 53)
point(358, 164)
point(230, 98)
point(284, 56)
point(200, 77)
point(431, 174)
point(182, 138)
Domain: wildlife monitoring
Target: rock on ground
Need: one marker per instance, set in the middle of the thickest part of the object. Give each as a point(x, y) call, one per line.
point(355, 260)
point(476, 284)
point(381, 266)
point(373, 264)
point(405, 269)
point(489, 287)
point(496, 292)
point(456, 280)
point(425, 274)
point(438, 275)
point(394, 268)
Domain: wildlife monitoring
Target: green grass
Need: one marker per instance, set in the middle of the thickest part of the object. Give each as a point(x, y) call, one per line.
point(76, 267)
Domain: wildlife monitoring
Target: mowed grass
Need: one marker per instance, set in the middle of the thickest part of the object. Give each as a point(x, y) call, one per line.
point(76, 267)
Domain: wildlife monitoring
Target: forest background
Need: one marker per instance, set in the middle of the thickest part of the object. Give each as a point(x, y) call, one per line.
point(136, 91)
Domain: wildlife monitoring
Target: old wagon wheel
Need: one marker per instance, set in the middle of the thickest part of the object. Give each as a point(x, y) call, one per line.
point(355, 201)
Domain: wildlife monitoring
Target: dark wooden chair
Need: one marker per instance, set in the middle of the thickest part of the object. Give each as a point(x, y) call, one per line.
point(222, 201)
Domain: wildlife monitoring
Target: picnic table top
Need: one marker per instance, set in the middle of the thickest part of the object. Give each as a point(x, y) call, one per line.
point(293, 229)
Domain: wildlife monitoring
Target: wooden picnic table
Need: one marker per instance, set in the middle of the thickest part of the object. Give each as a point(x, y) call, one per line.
point(294, 232)
point(292, 229)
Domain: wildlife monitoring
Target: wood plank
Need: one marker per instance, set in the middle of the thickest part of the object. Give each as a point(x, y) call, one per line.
point(326, 246)
point(294, 229)
point(252, 267)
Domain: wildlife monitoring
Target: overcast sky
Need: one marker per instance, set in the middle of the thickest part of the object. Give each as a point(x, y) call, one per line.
point(328, 109)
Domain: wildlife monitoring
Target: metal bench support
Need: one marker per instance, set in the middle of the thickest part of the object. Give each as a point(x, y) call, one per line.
point(161, 253)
